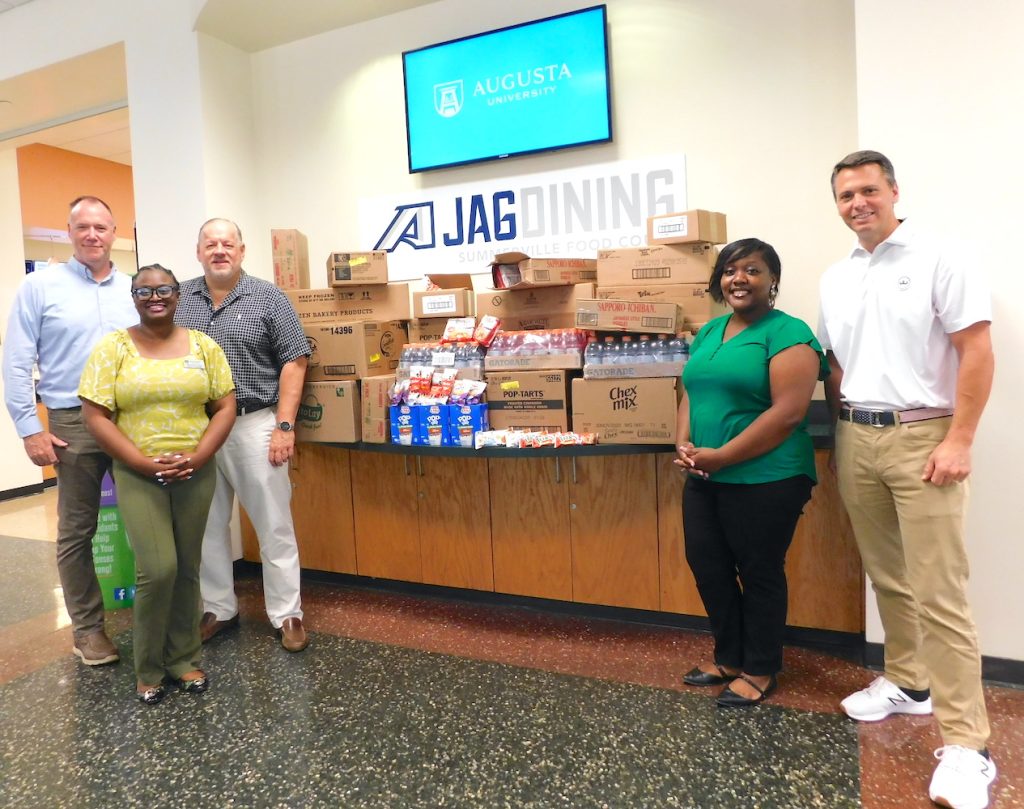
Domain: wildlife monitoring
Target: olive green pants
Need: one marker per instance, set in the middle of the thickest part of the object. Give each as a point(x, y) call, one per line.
point(165, 526)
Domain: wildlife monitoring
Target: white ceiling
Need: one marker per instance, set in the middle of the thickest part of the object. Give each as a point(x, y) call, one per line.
point(52, 106)
point(234, 22)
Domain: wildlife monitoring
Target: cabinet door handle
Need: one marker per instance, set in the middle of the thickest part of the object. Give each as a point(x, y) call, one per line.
point(419, 465)
point(406, 459)
point(558, 470)
point(574, 469)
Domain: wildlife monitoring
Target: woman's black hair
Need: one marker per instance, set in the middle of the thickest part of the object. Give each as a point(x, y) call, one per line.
point(734, 251)
point(158, 267)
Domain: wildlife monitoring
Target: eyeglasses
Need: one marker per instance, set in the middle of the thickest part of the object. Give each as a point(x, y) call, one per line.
point(163, 291)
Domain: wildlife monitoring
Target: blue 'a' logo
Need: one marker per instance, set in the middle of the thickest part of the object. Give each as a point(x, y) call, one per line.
point(412, 225)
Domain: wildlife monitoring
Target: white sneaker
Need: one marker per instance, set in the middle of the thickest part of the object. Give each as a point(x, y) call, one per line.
point(961, 780)
point(881, 699)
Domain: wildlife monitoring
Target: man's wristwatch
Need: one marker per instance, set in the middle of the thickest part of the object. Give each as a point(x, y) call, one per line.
point(285, 426)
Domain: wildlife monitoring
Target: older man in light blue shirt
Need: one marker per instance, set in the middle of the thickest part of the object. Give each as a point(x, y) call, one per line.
point(59, 314)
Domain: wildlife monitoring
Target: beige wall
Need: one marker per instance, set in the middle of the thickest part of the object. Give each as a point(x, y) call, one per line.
point(940, 94)
point(759, 96)
point(17, 470)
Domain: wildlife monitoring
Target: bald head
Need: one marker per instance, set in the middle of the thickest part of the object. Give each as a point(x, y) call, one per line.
point(221, 251)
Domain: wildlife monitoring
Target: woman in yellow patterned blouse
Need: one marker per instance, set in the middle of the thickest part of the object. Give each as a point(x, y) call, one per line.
point(160, 400)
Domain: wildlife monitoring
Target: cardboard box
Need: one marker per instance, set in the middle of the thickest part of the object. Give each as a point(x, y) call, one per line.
point(346, 269)
point(427, 329)
point(465, 421)
point(519, 271)
point(365, 302)
point(634, 411)
point(376, 431)
point(290, 252)
point(635, 316)
point(537, 308)
point(373, 396)
point(431, 428)
point(694, 300)
point(639, 370)
point(528, 400)
point(450, 296)
point(375, 407)
point(567, 361)
point(403, 420)
point(344, 350)
point(658, 264)
point(328, 412)
point(683, 228)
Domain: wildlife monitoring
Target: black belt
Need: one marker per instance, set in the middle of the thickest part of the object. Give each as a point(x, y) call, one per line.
point(251, 406)
point(890, 418)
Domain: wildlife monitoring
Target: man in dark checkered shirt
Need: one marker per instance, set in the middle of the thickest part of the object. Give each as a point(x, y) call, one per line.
point(256, 325)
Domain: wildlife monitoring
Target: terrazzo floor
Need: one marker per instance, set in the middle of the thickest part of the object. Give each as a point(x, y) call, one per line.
point(417, 701)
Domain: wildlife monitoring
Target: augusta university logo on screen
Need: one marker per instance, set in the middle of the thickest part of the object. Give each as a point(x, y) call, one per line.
point(520, 85)
point(448, 98)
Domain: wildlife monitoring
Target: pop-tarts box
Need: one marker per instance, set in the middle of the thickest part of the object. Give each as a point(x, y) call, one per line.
point(403, 423)
point(466, 420)
point(431, 426)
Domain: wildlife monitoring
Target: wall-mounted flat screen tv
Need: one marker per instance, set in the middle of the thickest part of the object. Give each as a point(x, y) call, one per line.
point(518, 90)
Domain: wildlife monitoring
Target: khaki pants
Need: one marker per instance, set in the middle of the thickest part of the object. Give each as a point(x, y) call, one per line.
point(80, 469)
point(910, 536)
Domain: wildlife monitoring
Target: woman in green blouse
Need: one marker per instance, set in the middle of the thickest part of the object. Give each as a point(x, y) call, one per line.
point(743, 444)
point(160, 400)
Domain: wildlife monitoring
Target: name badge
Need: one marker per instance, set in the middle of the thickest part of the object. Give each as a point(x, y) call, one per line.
point(197, 365)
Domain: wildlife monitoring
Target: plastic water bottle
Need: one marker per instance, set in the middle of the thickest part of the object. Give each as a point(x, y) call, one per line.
point(475, 357)
point(658, 348)
point(612, 351)
point(405, 358)
point(592, 353)
point(628, 354)
point(643, 350)
point(676, 349)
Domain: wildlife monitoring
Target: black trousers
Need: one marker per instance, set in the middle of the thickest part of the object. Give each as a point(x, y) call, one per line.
point(736, 538)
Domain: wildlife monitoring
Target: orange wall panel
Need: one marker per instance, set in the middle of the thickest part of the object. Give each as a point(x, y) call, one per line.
point(49, 178)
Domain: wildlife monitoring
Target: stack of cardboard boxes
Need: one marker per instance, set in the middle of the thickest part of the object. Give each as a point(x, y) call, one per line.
point(358, 324)
point(528, 387)
point(643, 292)
point(356, 332)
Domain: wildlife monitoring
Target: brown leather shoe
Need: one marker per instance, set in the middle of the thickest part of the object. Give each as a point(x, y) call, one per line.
point(210, 626)
point(95, 649)
point(293, 635)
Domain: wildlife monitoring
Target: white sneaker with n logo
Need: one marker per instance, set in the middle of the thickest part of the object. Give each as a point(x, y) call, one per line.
point(882, 699)
point(961, 780)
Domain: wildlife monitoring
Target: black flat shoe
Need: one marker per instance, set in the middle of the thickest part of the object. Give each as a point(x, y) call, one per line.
point(702, 678)
point(151, 696)
point(730, 699)
point(194, 686)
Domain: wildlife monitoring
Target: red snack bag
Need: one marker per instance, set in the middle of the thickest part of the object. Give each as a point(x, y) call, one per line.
point(488, 326)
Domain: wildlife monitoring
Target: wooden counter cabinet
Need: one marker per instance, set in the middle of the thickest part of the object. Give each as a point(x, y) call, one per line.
point(422, 518)
point(581, 529)
point(593, 525)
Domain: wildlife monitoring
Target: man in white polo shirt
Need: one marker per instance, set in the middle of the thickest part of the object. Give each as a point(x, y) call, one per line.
point(905, 324)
